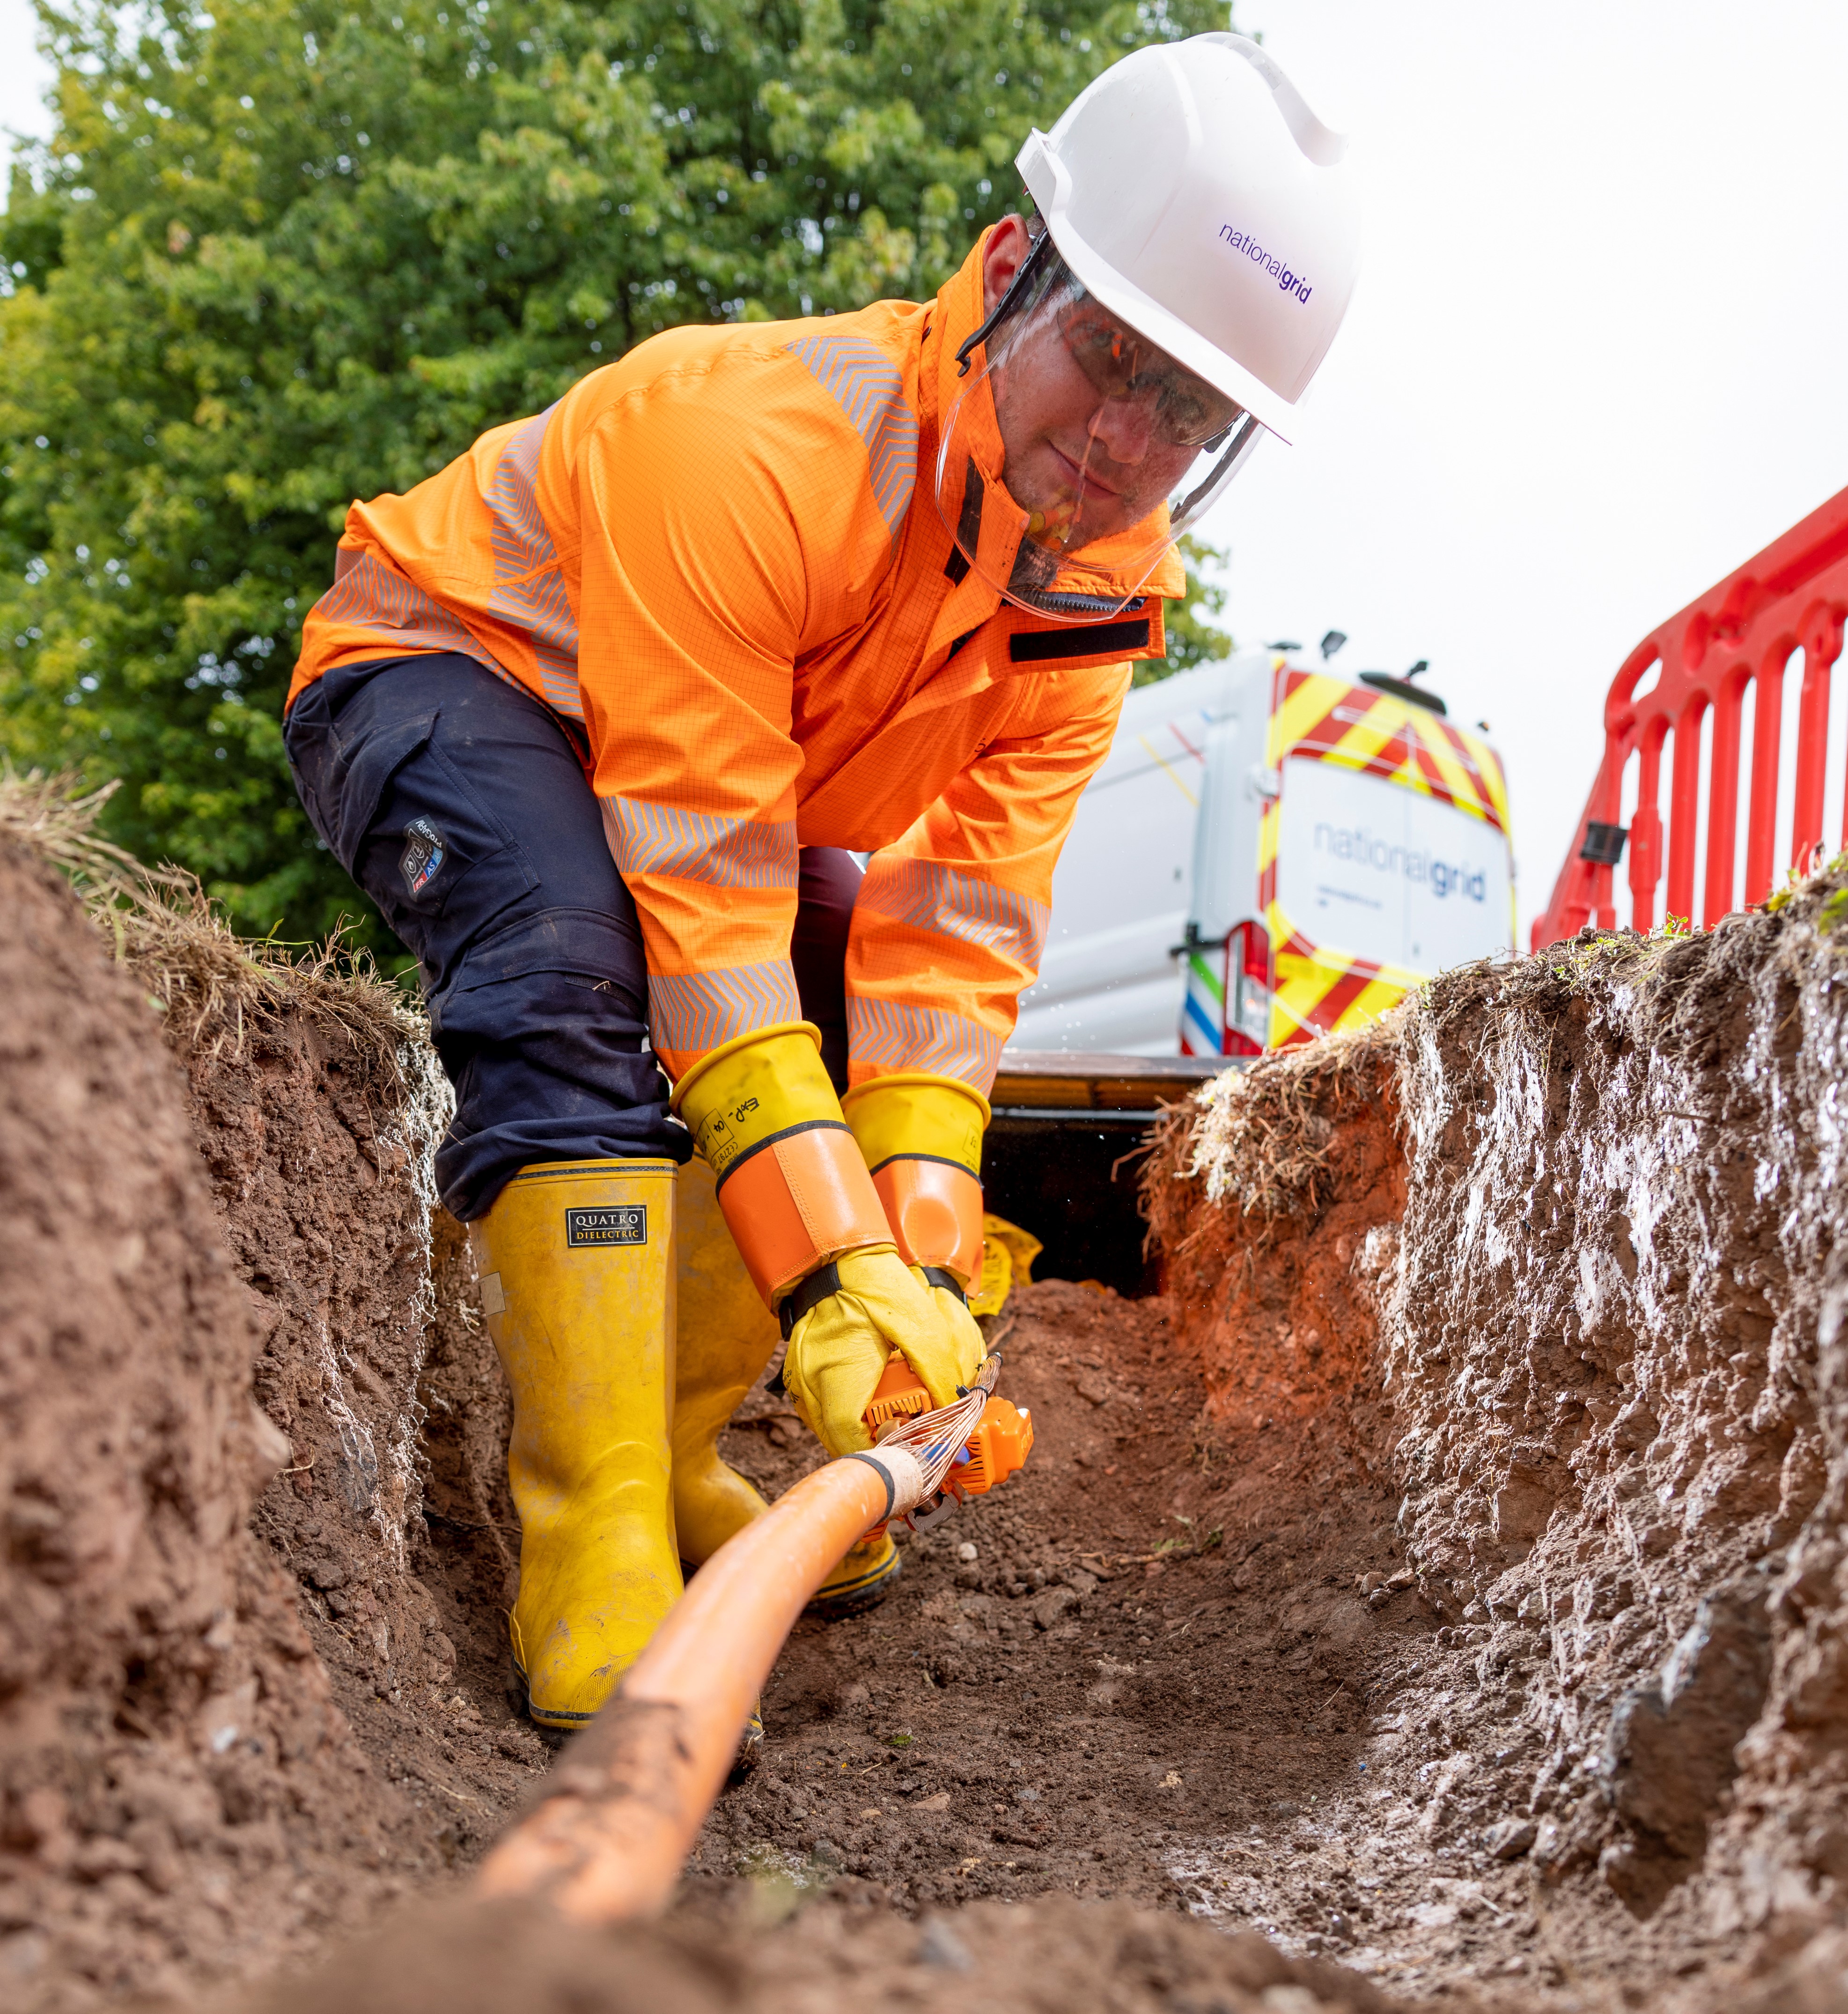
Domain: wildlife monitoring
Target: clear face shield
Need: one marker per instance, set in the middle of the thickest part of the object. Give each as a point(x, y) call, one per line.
point(1106, 447)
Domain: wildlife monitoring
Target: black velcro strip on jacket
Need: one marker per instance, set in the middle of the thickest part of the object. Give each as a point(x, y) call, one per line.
point(1031, 647)
point(806, 1293)
point(969, 521)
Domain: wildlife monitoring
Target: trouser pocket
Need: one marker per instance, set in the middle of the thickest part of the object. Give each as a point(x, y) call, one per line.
point(459, 804)
point(405, 822)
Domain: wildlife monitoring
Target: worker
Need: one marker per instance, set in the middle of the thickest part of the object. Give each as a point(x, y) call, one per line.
point(600, 715)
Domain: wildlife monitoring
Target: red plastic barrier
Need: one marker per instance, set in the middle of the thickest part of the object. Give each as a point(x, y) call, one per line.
point(1742, 632)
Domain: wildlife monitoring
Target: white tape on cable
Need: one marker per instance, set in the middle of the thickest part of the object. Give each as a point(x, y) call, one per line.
point(903, 1475)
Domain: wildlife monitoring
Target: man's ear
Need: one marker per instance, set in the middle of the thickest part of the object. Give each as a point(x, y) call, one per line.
point(1001, 261)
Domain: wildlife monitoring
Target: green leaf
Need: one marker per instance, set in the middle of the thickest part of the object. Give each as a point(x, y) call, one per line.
point(1194, 637)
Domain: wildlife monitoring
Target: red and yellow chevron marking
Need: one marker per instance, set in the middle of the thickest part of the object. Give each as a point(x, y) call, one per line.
point(1313, 715)
point(1315, 992)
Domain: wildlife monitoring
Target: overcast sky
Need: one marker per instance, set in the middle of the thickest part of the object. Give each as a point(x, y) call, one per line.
point(23, 74)
point(1596, 359)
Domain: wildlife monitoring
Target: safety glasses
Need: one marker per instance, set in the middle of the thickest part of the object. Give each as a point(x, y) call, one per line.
point(1185, 410)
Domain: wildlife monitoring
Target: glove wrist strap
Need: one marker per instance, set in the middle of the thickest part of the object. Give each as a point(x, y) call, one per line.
point(809, 1294)
point(935, 1276)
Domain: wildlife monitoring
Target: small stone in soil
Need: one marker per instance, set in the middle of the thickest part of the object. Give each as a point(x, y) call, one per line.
point(940, 1947)
point(1510, 1838)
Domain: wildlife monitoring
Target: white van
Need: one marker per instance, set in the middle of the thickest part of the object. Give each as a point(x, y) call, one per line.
point(1267, 853)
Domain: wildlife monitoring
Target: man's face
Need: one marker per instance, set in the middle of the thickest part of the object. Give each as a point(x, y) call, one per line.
point(1097, 426)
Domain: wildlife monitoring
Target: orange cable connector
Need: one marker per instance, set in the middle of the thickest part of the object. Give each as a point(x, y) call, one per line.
point(1002, 1440)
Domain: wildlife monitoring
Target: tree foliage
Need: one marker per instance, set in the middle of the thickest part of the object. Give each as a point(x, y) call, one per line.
point(302, 252)
point(1195, 635)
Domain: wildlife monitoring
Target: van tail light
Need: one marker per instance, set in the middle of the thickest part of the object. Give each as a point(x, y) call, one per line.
point(1247, 990)
point(1225, 1010)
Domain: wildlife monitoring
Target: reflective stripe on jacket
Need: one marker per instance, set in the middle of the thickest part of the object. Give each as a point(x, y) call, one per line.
point(722, 556)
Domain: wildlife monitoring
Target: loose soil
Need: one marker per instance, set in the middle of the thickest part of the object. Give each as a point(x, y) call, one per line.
point(1436, 1596)
point(179, 1794)
point(1087, 1682)
point(393, 1516)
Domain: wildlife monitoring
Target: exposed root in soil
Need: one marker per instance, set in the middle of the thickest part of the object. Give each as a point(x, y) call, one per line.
point(1259, 1141)
point(208, 979)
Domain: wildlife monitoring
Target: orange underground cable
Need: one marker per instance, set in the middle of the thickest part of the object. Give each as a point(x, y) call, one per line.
point(630, 1795)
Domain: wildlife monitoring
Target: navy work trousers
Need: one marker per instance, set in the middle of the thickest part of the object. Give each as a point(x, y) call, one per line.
point(460, 805)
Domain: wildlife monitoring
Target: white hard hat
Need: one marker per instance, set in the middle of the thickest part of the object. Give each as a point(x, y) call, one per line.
point(1199, 250)
point(1192, 192)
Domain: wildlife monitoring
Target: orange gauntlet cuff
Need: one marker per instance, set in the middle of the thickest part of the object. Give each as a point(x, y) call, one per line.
point(792, 1185)
point(921, 1137)
point(798, 1201)
point(934, 1208)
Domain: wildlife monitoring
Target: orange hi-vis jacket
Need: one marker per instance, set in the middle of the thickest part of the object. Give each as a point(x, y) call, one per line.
point(721, 556)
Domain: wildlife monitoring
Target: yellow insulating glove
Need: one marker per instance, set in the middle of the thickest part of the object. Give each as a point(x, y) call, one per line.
point(922, 1138)
point(838, 1350)
point(791, 1184)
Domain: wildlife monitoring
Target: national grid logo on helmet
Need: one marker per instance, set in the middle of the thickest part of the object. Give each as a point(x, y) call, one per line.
point(1288, 282)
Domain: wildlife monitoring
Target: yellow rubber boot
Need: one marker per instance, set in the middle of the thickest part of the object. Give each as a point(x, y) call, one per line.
point(725, 1336)
point(862, 1580)
point(577, 1266)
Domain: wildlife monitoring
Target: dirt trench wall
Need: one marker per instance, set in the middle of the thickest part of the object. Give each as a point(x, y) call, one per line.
point(318, 1150)
point(1600, 1345)
point(1276, 1258)
point(243, 1377)
point(178, 1788)
point(1605, 1348)
point(315, 1102)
